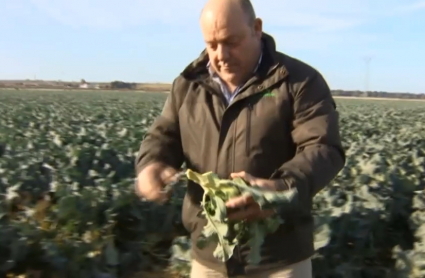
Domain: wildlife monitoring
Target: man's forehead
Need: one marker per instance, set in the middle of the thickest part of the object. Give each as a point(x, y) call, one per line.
point(222, 31)
point(222, 35)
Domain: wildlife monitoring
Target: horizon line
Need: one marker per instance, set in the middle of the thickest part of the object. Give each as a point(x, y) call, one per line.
point(169, 84)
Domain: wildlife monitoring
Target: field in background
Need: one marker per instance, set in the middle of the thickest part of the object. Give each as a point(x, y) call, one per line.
point(82, 85)
point(66, 172)
point(379, 98)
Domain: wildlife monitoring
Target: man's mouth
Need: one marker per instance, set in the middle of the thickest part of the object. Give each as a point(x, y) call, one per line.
point(228, 67)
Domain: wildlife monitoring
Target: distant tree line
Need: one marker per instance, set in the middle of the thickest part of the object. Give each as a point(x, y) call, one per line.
point(120, 85)
point(377, 94)
point(123, 85)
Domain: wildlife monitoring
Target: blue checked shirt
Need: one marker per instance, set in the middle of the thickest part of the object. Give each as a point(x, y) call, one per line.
point(224, 89)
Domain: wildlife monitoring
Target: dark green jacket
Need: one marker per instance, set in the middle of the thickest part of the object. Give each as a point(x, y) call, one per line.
point(282, 124)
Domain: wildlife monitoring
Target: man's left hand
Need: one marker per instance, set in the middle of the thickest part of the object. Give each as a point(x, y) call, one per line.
point(244, 207)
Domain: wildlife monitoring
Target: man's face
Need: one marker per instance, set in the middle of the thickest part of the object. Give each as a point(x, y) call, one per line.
point(232, 46)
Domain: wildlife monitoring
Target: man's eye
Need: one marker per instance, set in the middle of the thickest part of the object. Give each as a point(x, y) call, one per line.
point(232, 43)
point(212, 46)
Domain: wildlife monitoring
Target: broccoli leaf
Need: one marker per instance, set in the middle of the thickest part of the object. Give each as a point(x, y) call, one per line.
point(228, 234)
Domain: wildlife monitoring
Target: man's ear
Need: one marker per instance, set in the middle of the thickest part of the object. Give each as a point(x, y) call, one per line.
point(258, 27)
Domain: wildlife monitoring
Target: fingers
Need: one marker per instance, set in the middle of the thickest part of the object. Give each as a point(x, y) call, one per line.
point(242, 214)
point(244, 175)
point(150, 183)
point(240, 201)
point(250, 213)
point(168, 175)
point(243, 200)
point(150, 189)
point(261, 215)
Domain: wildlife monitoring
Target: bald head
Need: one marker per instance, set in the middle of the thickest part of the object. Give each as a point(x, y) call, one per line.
point(232, 34)
point(229, 8)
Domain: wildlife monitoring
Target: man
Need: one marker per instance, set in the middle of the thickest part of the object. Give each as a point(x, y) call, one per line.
point(244, 109)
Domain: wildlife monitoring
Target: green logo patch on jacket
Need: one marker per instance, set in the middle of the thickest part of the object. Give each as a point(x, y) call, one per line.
point(269, 93)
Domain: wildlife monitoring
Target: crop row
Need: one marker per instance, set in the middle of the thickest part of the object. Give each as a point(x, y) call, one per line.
point(68, 208)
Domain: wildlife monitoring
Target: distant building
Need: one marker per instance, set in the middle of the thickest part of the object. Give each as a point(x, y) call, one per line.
point(85, 85)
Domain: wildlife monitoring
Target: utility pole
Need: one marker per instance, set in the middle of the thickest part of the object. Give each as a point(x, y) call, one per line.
point(367, 60)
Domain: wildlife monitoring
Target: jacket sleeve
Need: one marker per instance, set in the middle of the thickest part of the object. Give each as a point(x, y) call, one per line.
point(319, 156)
point(162, 142)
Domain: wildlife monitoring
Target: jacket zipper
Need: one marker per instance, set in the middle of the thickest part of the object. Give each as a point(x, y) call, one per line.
point(237, 248)
point(247, 151)
point(223, 99)
point(238, 251)
point(248, 130)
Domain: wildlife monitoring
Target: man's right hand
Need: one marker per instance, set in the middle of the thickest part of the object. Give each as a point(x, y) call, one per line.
point(152, 180)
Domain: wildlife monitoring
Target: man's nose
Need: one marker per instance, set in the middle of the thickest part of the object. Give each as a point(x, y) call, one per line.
point(222, 52)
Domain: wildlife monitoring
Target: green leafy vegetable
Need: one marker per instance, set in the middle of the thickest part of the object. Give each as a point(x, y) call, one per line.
point(67, 199)
point(228, 234)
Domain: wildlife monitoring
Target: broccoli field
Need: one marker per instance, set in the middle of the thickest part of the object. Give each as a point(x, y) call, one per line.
point(68, 209)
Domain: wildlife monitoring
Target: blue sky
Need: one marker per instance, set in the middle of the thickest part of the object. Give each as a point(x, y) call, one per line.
point(152, 41)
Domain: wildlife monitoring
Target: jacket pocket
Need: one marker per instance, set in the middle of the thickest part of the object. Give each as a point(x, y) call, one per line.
point(248, 129)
